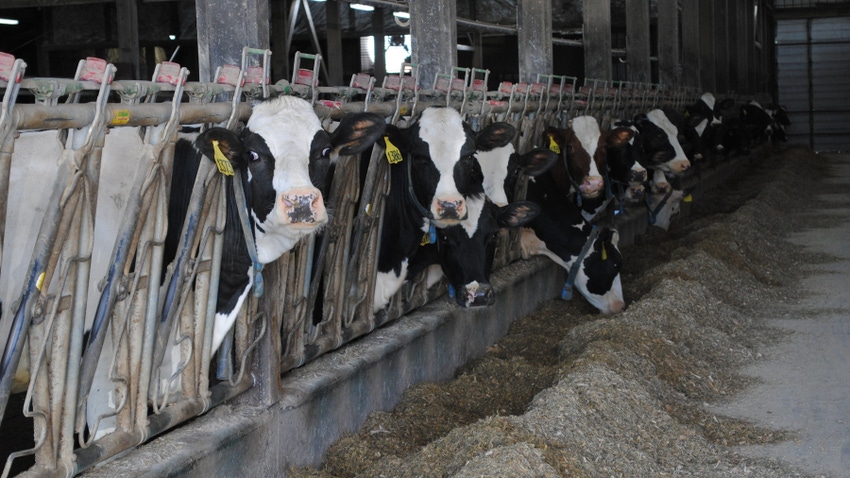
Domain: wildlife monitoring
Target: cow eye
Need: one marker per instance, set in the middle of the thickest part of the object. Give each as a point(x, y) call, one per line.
point(326, 152)
point(255, 156)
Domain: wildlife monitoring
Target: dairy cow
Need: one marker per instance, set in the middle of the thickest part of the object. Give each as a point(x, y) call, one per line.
point(764, 124)
point(625, 171)
point(661, 151)
point(589, 255)
point(710, 134)
point(583, 168)
point(436, 182)
point(285, 155)
point(465, 252)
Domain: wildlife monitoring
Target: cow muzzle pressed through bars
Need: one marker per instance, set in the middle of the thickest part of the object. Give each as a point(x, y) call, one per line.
point(303, 206)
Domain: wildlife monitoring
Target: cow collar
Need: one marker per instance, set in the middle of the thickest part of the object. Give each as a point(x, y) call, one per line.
point(240, 194)
point(572, 181)
point(653, 212)
point(567, 292)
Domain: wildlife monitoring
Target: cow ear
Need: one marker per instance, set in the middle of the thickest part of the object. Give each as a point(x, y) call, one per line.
point(517, 214)
point(357, 132)
point(494, 135)
point(223, 141)
point(533, 163)
point(619, 137)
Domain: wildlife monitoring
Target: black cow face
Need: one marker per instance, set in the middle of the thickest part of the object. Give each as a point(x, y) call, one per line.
point(466, 251)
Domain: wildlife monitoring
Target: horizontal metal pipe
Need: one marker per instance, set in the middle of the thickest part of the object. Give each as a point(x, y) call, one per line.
point(33, 116)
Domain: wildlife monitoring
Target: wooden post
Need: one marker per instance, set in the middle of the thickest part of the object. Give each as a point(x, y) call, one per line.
point(128, 41)
point(597, 39)
point(227, 26)
point(378, 32)
point(433, 28)
point(690, 44)
point(637, 41)
point(334, 39)
point(708, 81)
point(534, 36)
point(721, 47)
point(668, 42)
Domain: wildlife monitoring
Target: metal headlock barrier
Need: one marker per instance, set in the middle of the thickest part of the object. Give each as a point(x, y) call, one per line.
point(114, 347)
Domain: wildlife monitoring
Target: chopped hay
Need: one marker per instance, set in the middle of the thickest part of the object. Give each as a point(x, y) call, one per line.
point(571, 393)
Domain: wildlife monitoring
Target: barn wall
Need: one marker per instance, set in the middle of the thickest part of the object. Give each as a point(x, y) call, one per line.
point(813, 55)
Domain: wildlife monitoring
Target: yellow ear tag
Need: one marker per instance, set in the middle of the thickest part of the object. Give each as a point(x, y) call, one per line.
point(39, 283)
point(604, 253)
point(393, 154)
point(553, 146)
point(425, 240)
point(221, 161)
point(688, 198)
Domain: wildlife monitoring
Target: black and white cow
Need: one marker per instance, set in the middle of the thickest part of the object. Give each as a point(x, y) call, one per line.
point(583, 169)
point(588, 254)
point(437, 184)
point(710, 133)
point(625, 171)
point(765, 124)
point(284, 154)
point(465, 252)
point(662, 153)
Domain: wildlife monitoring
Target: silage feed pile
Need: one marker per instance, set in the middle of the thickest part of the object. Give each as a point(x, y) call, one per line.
point(571, 393)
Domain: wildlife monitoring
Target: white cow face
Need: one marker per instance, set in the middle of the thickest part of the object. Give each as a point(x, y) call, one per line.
point(286, 154)
point(445, 172)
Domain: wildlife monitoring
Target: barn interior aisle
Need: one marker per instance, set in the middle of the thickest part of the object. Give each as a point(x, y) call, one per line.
point(804, 382)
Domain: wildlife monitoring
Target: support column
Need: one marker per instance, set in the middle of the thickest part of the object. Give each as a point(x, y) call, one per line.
point(225, 27)
point(744, 21)
point(721, 47)
point(334, 39)
point(706, 45)
point(638, 41)
point(597, 39)
point(690, 44)
point(534, 34)
point(380, 67)
point(668, 42)
point(433, 28)
point(128, 41)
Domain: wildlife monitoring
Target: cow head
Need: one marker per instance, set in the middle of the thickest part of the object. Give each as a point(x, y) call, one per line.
point(584, 149)
point(705, 116)
point(440, 150)
point(660, 143)
point(598, 278)
point(466, 251)
point(285, 152)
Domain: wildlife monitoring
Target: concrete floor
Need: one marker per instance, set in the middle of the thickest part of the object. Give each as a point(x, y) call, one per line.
point(805, 381)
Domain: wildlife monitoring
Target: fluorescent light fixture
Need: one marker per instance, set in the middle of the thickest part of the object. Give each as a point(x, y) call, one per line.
point(402, 15)
point(318, 1)
point(361, 7)
point(8, 21)
point(172, 37)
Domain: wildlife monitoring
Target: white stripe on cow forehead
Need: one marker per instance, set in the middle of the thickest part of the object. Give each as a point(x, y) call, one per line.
point(659, 119)
point(442, 129)
point(709, 100)
point(587, 131)
point(288, 125)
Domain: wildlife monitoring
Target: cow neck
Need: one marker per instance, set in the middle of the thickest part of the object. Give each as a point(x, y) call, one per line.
point(567, 292)
point(572, 181)
point(653, 212)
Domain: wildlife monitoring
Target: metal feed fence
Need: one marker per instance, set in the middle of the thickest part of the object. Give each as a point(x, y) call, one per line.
point(63, 318)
